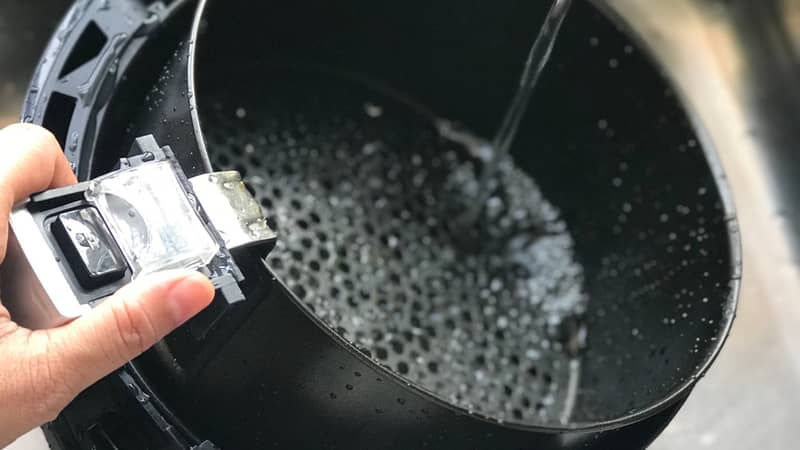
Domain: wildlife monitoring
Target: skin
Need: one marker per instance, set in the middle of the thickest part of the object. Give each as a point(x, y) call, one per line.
point(42, 371)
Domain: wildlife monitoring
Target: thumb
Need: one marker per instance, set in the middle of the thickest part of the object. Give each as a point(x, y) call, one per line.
point(127, 324)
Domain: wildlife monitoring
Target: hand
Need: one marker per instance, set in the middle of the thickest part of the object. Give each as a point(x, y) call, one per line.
point(42, 371)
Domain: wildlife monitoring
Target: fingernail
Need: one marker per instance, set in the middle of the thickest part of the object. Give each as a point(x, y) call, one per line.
point(189, 295)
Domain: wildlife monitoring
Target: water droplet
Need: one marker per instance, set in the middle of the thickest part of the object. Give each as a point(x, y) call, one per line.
point(72, 145)
point(373, 110)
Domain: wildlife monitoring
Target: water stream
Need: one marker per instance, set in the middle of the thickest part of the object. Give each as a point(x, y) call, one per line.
point(494, 153)
point(364, 190)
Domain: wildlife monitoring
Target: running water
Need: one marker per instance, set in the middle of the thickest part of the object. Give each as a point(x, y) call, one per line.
point(362, 189)
point(494, 153)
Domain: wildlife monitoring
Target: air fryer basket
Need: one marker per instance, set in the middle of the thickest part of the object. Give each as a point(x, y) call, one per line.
point(382, 328)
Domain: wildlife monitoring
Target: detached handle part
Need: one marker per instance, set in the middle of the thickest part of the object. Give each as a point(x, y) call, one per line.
point(71, 247)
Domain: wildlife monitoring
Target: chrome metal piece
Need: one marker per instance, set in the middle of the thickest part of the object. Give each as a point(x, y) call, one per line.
point(236, 215)
point(83, 235)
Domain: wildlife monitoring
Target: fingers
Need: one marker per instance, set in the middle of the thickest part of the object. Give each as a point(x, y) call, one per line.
point(45, 369)
point(32, 162)
point(125, 325)
point(42, 371)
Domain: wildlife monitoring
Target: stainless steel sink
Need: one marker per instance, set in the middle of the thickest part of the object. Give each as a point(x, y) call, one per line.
point(736, 63)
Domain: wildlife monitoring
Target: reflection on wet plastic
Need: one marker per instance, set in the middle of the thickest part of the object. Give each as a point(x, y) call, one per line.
point(152, 219)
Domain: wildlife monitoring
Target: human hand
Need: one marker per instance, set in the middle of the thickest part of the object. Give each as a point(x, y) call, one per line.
point(42, 371)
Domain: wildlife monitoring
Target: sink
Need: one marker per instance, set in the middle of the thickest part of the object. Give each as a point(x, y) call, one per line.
point(736, 63)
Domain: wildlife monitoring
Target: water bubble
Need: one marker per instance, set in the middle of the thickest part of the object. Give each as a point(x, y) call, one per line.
point(502, 322)
point(72, 145)
point(373, 110)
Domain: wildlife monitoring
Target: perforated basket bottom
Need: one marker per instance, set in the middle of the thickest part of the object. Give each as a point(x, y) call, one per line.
point(363, 191)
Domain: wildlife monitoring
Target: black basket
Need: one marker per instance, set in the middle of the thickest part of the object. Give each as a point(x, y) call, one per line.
point(616, 153)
